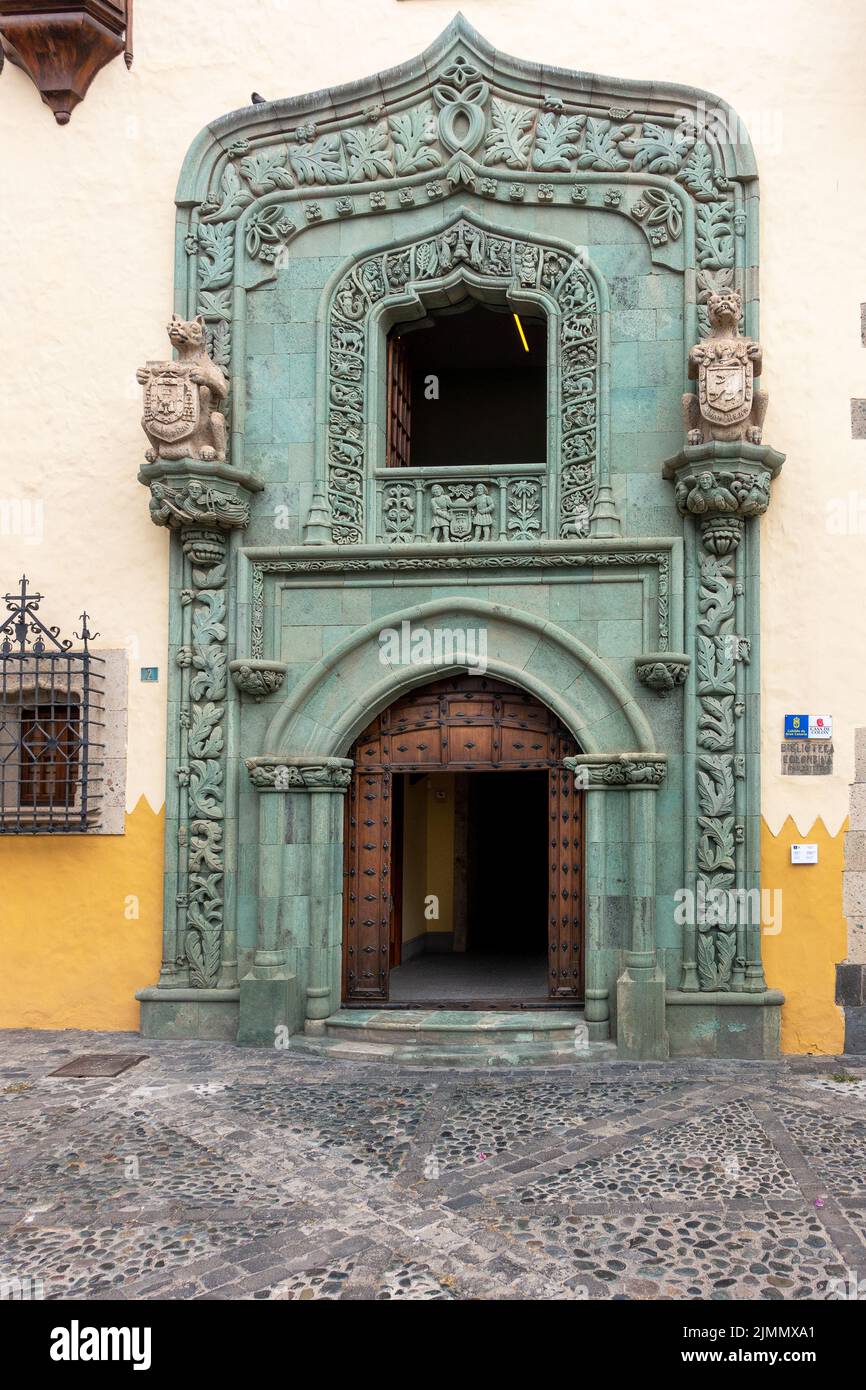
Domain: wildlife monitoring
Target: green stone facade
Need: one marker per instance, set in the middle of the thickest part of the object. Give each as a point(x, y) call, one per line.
point(614, 586)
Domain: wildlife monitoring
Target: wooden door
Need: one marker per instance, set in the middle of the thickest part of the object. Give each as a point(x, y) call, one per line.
point(565, 887)
point(459, 724)
point(367, 899)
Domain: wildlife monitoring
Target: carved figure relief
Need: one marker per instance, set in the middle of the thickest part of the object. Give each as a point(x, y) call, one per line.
point(182, 418)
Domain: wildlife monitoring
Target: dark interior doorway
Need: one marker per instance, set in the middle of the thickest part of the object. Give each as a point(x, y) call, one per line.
point(507, 864)
point(469, 386)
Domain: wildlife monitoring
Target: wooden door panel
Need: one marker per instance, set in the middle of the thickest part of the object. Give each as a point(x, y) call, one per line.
point(458, 724)
point(368, 886)
point(565, 954)
point(474, 743)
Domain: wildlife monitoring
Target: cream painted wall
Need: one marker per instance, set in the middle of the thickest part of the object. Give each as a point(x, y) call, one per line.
point(86, 226)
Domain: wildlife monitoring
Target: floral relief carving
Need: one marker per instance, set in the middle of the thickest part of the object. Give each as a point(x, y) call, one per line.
point(504, 259)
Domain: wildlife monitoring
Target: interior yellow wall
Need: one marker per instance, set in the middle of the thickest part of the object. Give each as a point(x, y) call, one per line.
point(428, 855)
point(414, 859)
point(72, 957)
point(440, 849)
point(801, 960)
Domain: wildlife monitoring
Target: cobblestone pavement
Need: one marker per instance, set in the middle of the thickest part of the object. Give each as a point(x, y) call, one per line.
point(209, 1171)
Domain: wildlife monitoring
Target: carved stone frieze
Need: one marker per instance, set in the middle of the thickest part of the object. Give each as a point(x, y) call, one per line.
point(629, 771)
point(275, 774)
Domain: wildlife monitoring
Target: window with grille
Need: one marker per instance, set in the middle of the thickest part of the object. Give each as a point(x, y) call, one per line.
point(51, 723)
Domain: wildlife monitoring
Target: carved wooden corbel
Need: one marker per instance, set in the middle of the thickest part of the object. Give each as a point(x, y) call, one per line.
point(63, 45)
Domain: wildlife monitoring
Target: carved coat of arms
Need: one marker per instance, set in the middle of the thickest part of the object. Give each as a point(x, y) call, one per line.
point(725, 390)
point(171, 401)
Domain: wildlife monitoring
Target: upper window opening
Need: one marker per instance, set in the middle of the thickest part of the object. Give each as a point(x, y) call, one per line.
point(469, 387)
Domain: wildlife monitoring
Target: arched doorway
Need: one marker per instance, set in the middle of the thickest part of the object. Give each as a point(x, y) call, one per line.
point(516, 848)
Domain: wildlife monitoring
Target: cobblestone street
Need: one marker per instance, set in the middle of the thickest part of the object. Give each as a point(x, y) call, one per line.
point(209, 1171)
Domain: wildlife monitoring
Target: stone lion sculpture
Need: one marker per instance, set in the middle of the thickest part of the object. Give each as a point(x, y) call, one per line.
point(726, 406)
point(181, 417)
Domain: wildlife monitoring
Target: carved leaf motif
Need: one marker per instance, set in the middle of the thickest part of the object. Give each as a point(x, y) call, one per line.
point(266, 171)
point(716, 844)
point(664, 211)
point(210, 681)
point(202, 947)
point(216, 576)
point(716, 670)
point(369, 155)
point(510, 136)
point(205, 788)
point(556, 141)
point(600, 151)
point(716, 722)
point(658, 150)
point(697, 173)
point(414, 134)
point(215, 304)
point(319, 162)
point(234, 197)
point(206, 737)
point(714, 236)
point(715, 785)
point(706, 960)
point(205, 851)
point(207, 622)
point(262, 228)
point(716, 600)
point(219, 344)
point(217, 242)
point(726, 947)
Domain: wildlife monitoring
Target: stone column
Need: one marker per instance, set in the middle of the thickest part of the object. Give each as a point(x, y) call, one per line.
point(722, 488)
point(296, 969)
point(851, 972)
point(202, 503)
point(641, 1034)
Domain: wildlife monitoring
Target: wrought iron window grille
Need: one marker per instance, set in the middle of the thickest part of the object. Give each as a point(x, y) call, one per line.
point(51, 723)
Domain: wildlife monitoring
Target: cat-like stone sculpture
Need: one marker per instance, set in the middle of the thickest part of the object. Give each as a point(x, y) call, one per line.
point(182, 418)
point(726, 406)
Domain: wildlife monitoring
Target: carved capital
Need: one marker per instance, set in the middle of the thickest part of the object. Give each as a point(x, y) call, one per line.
point(722, 483)
point(189, 492)
point(275, 774)
point(662, 671)
point(627, 771)
point(257, 678)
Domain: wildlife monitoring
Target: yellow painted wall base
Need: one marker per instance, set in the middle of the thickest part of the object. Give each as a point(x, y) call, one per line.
point(80, 925)
point(801, 959)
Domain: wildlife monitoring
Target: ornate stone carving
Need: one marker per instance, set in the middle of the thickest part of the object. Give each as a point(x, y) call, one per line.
point(257, 678)
point(631, 771)
point(296, 774)
point(181, 417)
point(461, 512)
point(662, 671)
point(203, 770)
point(198, 504)
point(508, 262)
point(726, 407)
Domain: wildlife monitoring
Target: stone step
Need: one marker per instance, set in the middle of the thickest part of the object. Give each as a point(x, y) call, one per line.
point(455, 1037)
